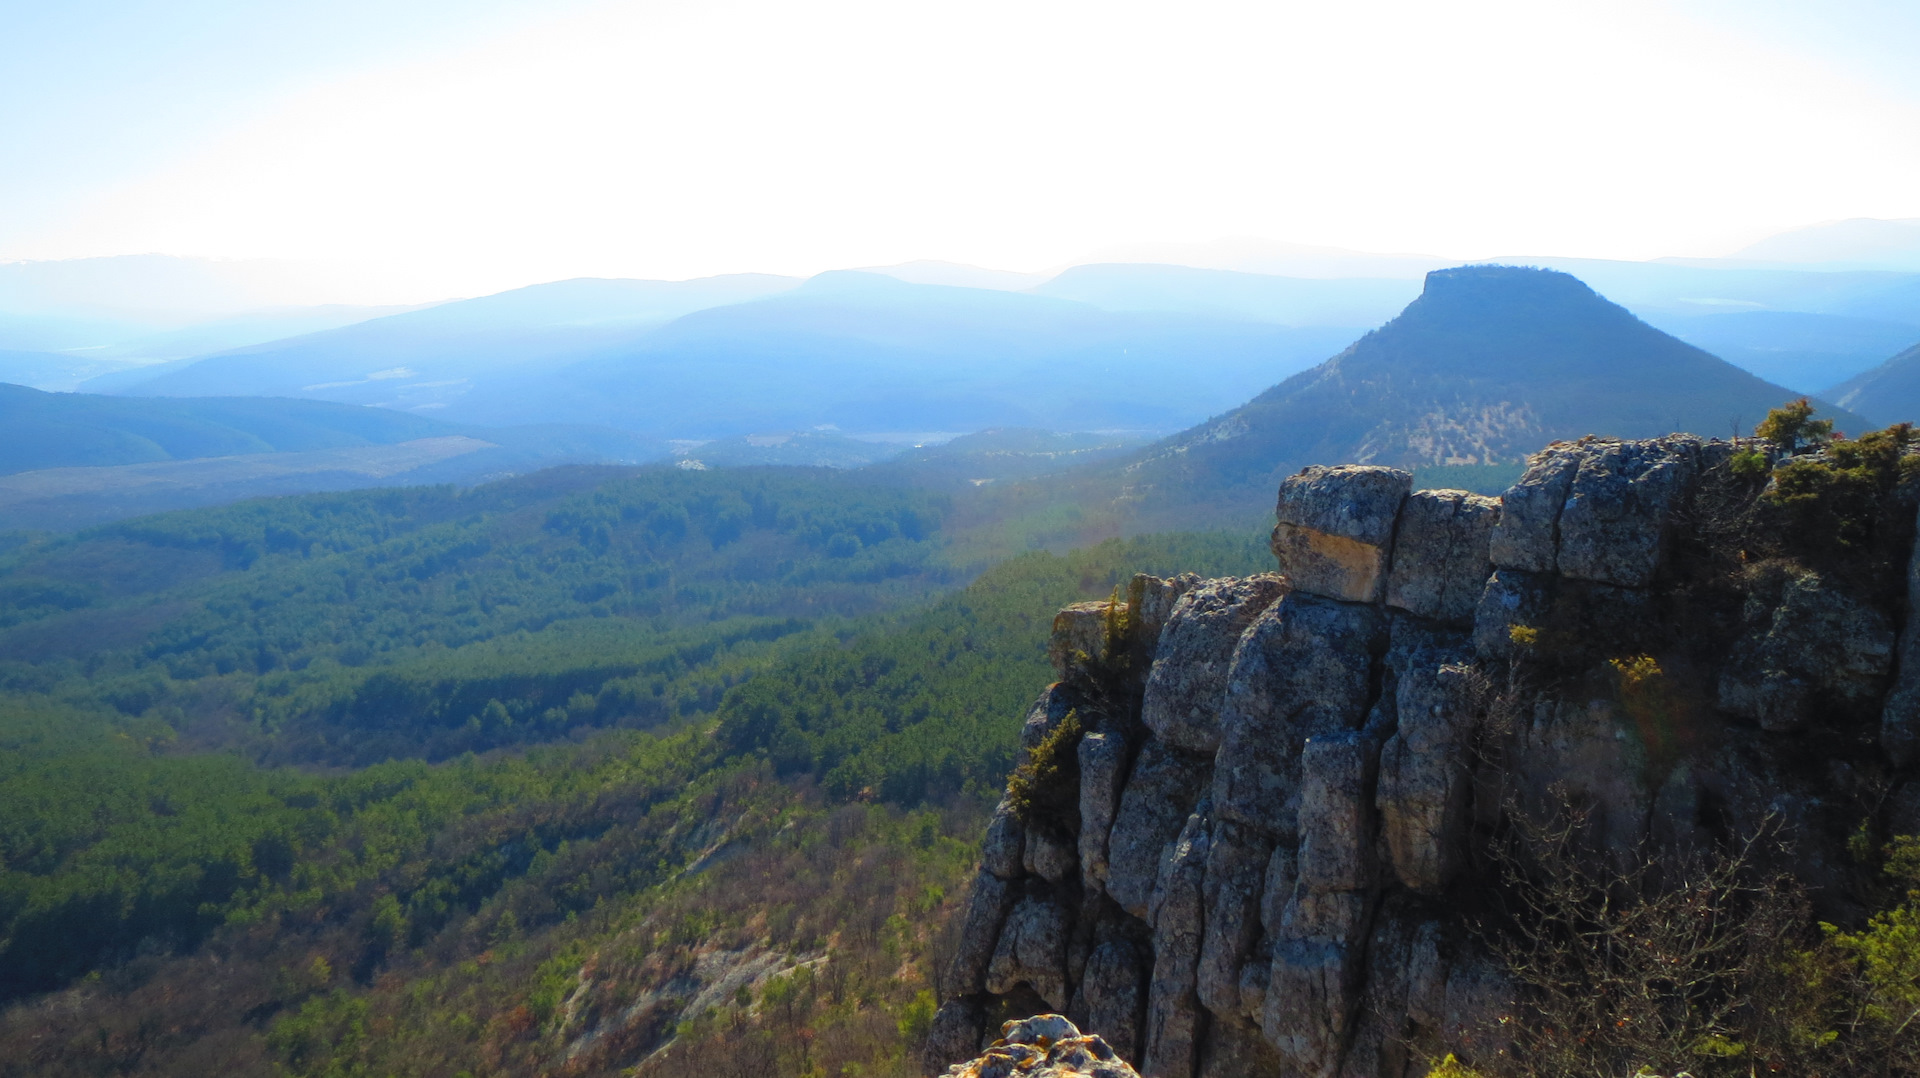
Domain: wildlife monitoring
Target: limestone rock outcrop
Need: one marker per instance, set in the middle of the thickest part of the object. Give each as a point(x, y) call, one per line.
point(1044, 1046)
point(1288, 782)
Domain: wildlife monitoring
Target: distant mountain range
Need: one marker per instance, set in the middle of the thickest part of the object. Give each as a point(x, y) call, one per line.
point(954, 348)
point(847, 369)
point(728, 357)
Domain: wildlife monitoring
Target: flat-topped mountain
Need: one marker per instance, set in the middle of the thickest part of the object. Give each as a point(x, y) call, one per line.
point(1487, 364)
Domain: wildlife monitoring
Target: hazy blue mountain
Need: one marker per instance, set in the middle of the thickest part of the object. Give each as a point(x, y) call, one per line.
point(1490, 363)
point(1889, 393)
point(871, 354)
point(1859, 243)
point(52, 371)
point(430, 359)
point(1700, 287)
point(1807, 352)
point(1288, 301)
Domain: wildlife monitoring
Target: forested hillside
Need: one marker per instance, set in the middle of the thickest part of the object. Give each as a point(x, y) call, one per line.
point(540, 776)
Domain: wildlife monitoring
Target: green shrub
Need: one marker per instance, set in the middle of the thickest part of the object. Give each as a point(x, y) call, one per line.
point(1793, 428)
point(1839, 500)
point(1046, 783)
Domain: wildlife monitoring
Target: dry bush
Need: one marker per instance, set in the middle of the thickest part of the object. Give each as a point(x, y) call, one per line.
point(1664, 964)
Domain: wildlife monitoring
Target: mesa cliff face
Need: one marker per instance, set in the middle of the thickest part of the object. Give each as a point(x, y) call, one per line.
point(1252, 836)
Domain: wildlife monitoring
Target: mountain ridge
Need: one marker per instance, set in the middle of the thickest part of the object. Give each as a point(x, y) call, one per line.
point(1487, 363)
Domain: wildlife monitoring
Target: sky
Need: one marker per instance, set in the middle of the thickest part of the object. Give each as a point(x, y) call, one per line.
point(444, 147)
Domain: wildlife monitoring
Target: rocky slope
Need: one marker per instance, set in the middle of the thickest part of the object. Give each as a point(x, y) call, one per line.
point(1253, 830)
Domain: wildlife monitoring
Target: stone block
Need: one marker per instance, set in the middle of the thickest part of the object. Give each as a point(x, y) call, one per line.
point(1161, 792)
point(987, 908)
point(1619, 511)
point(1103, 762)
point(1527, 535)
point(1050, 857)
point(1047, 712)
point(1189, 677)
point(1150, 602)
point(1302, 669)
point(1336, 812)
point(955, 1034)
point(1335, 527)
point(1080, 635)
point(1235, 881)
point(1440, 562)
point(1426, 777)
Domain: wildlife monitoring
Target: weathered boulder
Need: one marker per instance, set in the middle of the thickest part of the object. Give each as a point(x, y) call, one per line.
point(1527, 535)
point(1385, 1038)
point(1303, 669)
point(1334, 536)
point(1587, 752)
point(1440, 554)
point(1313, 989)
point(1032, 951)
point(1044, 1046)
point(1807, 646)
point(1619, 511)
point(1184, 690)
point(1163, 789)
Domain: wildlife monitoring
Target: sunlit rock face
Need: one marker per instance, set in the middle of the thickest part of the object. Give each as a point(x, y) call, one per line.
point(1287, 783)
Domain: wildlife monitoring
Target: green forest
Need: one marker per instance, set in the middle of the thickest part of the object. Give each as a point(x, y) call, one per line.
point(589, 765)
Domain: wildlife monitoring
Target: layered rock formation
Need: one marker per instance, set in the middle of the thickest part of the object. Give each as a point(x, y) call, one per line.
point(1273, 836)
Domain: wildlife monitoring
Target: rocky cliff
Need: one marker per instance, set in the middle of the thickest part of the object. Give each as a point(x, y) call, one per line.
point(1252, 832)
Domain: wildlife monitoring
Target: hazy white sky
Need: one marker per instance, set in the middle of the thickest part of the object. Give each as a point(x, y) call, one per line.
point(456, 146)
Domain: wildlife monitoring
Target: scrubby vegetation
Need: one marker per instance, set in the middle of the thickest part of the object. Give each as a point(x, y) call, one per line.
point(1705, 966)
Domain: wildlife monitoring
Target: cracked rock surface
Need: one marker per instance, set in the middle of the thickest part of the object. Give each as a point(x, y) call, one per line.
point(1288, 786)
